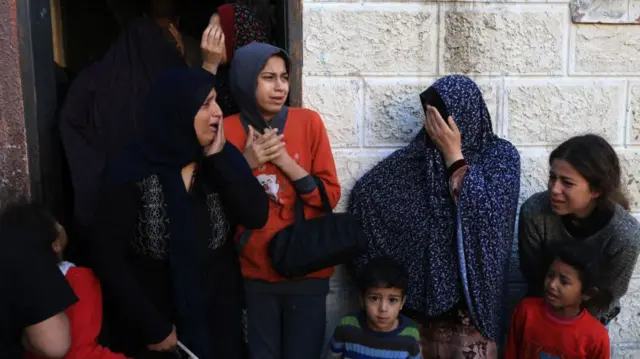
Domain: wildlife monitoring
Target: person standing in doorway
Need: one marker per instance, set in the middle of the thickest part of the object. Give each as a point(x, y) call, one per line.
point(240, 28)
point(162, 245)
point(105, 103)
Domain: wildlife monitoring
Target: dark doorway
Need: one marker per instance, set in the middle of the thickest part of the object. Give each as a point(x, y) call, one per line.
point(59, 38)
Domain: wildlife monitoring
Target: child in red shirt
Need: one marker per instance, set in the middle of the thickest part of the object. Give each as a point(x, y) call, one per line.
point(85, 317)
point(557, 326)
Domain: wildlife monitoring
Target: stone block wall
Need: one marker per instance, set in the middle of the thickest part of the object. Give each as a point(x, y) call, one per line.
point(544, 79)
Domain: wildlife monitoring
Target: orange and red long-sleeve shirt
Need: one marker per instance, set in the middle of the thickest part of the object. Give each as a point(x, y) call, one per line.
point(308, 144)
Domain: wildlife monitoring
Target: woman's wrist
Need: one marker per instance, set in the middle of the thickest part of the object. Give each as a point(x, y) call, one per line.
point(452, 157)
point(210, 67)
point(292, 170)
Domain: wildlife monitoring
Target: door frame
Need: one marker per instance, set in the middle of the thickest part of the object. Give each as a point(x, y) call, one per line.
point(35, 46)
point(294, 47)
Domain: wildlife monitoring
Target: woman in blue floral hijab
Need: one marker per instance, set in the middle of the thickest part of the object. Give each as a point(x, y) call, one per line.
point(445, 205)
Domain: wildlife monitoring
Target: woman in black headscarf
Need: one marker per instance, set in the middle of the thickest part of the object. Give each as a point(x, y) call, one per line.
point(160, 241)
point(105, 103)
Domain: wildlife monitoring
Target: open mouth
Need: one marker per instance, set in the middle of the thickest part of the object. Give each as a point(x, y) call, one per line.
point(214, 126)
point(550, 296)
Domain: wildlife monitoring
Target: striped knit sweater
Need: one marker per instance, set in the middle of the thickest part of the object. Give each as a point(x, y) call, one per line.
point(354, 340)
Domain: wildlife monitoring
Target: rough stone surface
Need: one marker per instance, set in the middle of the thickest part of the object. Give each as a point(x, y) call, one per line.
point(14, 172)
point(593, 45)
point(534, 172)
point(626, 351)
point(355, 39)
point(339, 102)
point(604, 11)
point(634, 112)
point(626, 327)
point(503, 40)
point(366, 82)
point(634, 15)
point(394, 115)
point(545, 112)
point(630, 163)
point(351, 165)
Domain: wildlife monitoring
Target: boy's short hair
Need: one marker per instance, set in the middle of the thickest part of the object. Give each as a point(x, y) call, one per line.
point(584, 258)
point(28, 223)
point(383, 272)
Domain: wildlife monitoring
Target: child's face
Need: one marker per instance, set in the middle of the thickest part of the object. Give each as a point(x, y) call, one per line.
point(383, 306)
point(563, 287)
point(61, 240)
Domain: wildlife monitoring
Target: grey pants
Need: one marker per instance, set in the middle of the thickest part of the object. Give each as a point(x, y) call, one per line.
point(286, 320)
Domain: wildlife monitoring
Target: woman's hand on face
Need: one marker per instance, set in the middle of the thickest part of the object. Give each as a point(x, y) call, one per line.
point(168, 344)
point(212, 46)
point(262, 148)
point(446, 138)
point(218, 142)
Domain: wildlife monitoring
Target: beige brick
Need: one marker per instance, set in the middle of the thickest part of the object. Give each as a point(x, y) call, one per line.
point(503, 40)
point(351, 165)
point(626, 351)
point(634, 112)
point(394, 115)
point(339, 102)
point(351, 39)
point(606, 49)
point(534, 174)
point(630, 164)
point(626, 326)
point(634, 15)
point(549, 112)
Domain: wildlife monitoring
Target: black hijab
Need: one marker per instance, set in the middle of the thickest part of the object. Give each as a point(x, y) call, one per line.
point(166, 142)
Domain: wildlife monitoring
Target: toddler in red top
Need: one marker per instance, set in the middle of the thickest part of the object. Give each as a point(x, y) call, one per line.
point(85, 317)
point(557, 326)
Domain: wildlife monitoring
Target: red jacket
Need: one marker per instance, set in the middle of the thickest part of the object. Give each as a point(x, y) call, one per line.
point(308, 144)
point(536, 333)
point(85, 317)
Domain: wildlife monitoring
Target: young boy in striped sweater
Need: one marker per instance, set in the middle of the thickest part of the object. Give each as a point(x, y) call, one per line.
point(378, 331)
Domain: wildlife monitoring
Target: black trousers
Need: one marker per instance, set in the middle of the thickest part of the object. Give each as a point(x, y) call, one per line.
point(286, 324)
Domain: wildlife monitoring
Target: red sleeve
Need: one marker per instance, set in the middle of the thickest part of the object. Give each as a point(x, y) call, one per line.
point(322, 164)
point(602, 349)
point(456, 180)
point(514, 339)
point(85, 317)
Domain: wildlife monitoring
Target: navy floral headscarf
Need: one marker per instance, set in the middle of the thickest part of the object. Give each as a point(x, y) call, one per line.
point(454, 254)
